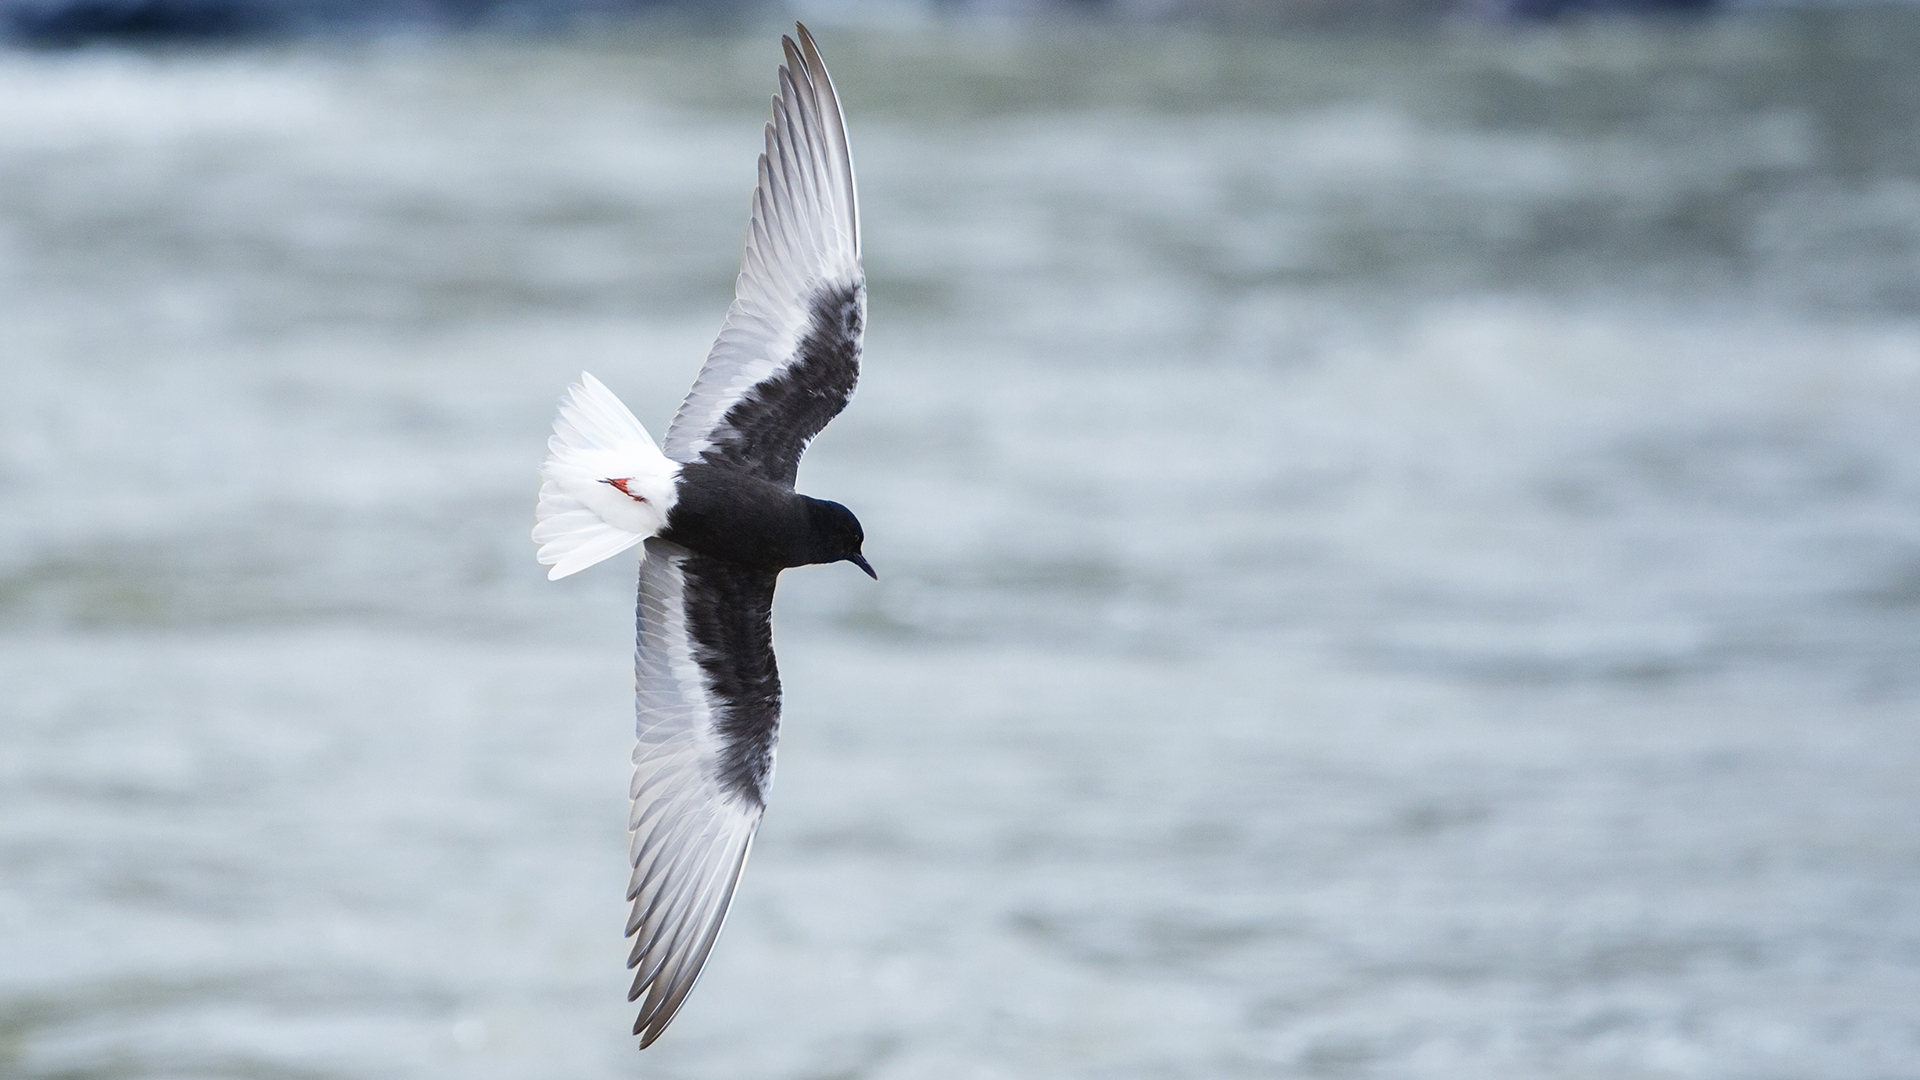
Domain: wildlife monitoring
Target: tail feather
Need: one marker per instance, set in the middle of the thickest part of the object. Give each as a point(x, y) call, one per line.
point(592, 418)
point(581, 519)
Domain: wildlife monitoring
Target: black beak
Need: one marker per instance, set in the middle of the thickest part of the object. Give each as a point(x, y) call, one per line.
point(861, 562)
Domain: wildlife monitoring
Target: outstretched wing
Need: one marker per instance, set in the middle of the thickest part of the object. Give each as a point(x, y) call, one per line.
point(788, 357)
point(709, 712)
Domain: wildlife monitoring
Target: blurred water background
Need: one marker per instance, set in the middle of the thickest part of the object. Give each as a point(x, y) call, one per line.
point(1399, 550)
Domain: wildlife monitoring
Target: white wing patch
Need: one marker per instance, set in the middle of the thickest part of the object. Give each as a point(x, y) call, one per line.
point(604, 487)
point(690, 838)
point(804, 237)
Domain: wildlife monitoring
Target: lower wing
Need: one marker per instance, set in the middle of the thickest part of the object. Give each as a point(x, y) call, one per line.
point(709, 709)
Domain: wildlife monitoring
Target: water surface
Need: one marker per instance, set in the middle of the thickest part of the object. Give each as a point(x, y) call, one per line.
point(1400, 557)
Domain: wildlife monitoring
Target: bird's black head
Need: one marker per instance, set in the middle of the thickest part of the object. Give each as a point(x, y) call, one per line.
point(837, 535)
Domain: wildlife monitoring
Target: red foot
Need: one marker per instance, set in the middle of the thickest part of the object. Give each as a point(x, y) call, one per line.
point(620, 485)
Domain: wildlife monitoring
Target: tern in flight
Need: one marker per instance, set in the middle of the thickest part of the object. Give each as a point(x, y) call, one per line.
point(716, 509)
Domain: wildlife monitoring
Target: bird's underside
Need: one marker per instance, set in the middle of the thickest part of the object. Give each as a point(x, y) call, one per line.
point(708, 690)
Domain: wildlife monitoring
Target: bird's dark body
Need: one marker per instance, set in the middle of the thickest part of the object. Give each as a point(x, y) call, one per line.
point(736, 516)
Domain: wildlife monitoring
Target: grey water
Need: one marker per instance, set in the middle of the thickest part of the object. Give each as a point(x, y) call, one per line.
point(1399, 556)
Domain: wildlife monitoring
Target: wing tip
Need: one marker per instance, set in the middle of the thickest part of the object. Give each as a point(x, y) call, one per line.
point(673, 982)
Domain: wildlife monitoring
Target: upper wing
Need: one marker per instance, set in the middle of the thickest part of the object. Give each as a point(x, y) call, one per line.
point(787, 359)
point(709, 712)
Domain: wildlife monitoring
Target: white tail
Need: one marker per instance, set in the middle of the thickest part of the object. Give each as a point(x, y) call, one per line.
point(605, 485)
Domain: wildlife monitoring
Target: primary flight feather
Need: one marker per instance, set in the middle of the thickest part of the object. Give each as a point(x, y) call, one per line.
point(715, 506)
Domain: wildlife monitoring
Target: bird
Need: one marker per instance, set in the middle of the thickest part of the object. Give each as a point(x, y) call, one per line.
point(715, 507)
